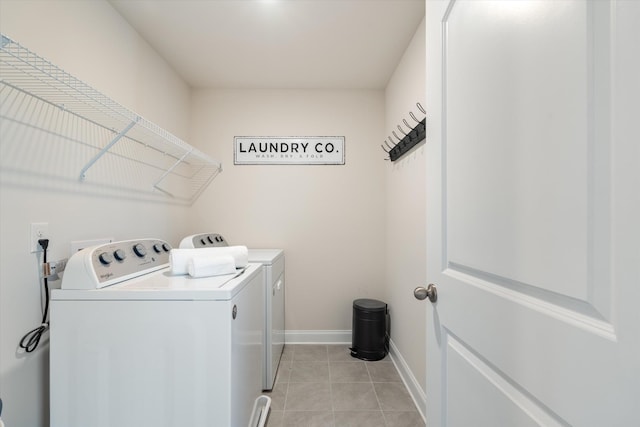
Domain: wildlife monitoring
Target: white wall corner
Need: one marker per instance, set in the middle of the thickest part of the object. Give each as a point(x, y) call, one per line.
point(413, 386)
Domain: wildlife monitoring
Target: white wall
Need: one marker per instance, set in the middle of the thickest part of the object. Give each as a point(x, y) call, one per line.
point(328, 219)
point(91, 41)
point(405, 211)
point(349, 231)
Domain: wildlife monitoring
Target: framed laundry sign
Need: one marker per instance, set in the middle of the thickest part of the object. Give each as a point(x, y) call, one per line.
point(288, 150)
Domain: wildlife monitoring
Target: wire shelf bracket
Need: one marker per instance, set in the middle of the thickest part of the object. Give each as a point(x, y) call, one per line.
point(123, 132)
point(64, 125)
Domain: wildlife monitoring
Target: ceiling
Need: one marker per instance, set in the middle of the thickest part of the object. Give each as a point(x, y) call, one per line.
point(283, 44)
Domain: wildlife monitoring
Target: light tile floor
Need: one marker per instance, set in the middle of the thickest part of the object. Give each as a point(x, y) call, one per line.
point(322, 385)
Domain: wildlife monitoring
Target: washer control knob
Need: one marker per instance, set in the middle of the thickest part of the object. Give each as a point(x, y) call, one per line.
point(105, 258)
point(204, 242)
point(157, 248)
point(166, 247)
point(119, 255)
point(139, 250)
point(210, 239)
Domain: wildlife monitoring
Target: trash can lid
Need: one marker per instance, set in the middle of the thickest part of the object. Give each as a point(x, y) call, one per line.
point(369, 304)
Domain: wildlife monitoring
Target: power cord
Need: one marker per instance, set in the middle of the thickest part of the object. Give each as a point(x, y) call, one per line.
point(31, 340)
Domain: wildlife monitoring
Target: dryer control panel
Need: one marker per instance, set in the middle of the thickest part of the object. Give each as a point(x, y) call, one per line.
point(206, 240)
point(111, 263)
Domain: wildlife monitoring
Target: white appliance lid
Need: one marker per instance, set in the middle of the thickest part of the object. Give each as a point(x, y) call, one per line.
point(161, 285)
point(265, 256)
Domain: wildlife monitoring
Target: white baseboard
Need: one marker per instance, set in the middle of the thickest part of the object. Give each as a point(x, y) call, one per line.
point(416, 392)
point(344, 337)
point(317, 337)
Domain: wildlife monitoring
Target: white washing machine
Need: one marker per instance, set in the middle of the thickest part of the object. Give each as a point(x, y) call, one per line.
point(273, 261)
point(131, 345)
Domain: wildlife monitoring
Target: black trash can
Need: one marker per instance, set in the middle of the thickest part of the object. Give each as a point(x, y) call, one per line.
point(370, 329)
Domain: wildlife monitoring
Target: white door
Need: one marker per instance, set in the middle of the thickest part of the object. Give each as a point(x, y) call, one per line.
point(533, 215)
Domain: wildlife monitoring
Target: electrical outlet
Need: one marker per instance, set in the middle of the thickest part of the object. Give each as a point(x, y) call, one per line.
point(39, 230)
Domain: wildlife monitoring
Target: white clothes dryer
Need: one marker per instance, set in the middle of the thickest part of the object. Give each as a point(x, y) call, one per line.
point(131, 345)
point(274, 287)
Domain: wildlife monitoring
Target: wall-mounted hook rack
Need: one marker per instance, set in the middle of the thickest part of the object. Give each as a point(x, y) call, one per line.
point(416, 135)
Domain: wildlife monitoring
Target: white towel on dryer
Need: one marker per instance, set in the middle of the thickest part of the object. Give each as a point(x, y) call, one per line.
point(179, 258)
point(206, 266)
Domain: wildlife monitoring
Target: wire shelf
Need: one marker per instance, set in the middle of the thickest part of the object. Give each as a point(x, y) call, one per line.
point(54, 125)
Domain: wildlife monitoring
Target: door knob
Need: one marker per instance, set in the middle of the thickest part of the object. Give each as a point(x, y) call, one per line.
point(430, 291)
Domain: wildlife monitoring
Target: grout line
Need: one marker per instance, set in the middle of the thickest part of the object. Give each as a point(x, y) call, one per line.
point(376, 393)
point(286, 393)
point(333, 409)
point(366, 365)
